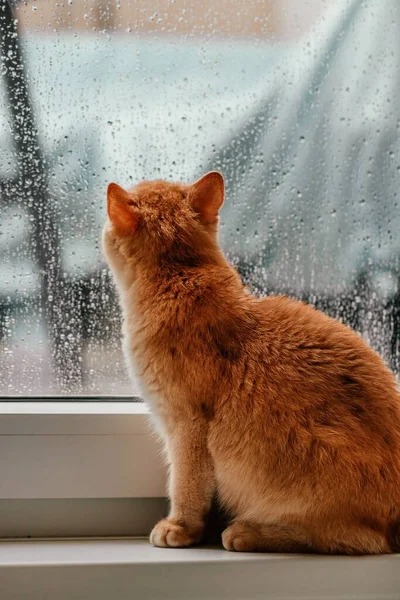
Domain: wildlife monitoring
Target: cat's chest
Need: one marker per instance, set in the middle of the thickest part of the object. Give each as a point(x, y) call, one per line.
point(149, 371)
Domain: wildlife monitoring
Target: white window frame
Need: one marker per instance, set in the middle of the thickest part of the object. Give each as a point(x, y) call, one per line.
point(90, 468)
point(95, 463)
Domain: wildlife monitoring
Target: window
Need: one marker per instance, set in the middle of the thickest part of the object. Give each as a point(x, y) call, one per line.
point(303, 123)
point(105, 90)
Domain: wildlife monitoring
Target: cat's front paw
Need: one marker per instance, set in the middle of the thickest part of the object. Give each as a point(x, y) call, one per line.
point(167, 534)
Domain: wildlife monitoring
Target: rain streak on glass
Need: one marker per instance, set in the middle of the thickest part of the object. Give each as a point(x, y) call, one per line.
point(297, 102)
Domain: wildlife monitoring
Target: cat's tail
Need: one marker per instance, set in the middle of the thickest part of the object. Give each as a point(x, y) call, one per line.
point(393, 536)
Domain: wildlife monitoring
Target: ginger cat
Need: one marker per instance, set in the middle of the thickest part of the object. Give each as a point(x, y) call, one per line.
point(284, 413)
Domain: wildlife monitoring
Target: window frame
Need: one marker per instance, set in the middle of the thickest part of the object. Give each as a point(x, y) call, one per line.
point(68, 452)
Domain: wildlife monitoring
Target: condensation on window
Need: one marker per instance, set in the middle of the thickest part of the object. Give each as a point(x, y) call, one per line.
point(298, 104)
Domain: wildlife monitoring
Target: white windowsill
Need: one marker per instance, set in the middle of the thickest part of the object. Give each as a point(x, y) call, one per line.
point(79, 450)
point(74, 417)
point(95, 469)
point(131, 568)
point(60, 460)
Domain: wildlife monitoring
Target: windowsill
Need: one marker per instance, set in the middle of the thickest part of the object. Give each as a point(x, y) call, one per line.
point(131, 568)
point(79, 450)
point(63, 459)
point(75, 418)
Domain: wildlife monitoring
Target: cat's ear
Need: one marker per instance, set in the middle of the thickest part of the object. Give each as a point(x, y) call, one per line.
point(120, 210)
point(207, 196)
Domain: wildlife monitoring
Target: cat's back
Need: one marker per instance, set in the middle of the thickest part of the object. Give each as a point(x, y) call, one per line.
point(299, 325)
point(321, 348)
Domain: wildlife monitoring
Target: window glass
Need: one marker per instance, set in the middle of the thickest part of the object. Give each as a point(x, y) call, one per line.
point(296, 102)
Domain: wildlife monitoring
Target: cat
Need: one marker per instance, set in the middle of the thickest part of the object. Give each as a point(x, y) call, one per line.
point(283, 412)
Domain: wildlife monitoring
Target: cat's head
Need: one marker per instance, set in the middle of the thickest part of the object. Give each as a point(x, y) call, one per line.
point(161, 221)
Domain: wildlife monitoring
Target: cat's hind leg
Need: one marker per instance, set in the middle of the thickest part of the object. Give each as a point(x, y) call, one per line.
point(351, 539)
point(333, 538)
point(247, 536)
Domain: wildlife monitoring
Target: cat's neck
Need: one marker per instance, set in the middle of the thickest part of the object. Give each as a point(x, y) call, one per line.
point(189, 282)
